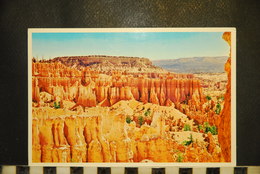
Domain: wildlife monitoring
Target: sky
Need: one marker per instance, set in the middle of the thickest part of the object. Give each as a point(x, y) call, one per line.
point(152, 45)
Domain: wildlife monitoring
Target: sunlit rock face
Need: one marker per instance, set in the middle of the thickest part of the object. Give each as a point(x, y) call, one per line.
point(103, 134)
point(225, 123)
point(89, 88)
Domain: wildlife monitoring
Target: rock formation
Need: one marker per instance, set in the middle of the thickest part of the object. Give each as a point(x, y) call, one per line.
point(106, 63)
point(101, 134)
point(91, 87)
point(225, 123)
point(83, 112)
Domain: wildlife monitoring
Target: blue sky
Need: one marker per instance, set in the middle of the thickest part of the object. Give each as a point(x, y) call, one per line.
point(153, 45)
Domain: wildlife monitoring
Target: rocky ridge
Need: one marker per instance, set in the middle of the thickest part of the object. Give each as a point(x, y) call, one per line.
point(108, 63)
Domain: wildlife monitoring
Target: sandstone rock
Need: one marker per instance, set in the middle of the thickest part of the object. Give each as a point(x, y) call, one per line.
point(225, 123)
point(36, 147)
point(74, 127)
point(95, 152)
point(88, 88)
point(46, 140)
point(61, 146)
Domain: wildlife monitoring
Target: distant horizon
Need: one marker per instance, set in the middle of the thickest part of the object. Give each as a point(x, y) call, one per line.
point(131, 57)
point(151, 45)
point(191, 57)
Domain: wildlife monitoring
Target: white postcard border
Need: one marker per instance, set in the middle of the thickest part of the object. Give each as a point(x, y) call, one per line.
point(154, 164)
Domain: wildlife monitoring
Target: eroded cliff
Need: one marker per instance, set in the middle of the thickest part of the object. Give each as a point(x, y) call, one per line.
point(129, 131)
point(89, 88)
point(225, 123)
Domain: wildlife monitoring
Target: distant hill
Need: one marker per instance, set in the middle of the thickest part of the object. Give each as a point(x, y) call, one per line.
point(193, 64)
point(108, 63)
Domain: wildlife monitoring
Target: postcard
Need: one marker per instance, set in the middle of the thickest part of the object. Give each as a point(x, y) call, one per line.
point(132, 97)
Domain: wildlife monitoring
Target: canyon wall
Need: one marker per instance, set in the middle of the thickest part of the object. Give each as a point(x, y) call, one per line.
point(225, 123)
point(90, 88)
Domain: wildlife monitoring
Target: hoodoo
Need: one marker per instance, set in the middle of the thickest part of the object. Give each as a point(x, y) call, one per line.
point(69, 84)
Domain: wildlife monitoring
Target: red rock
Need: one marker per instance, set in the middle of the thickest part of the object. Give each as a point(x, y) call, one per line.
point(168, 102)
point(66, 83)
point(105, 103)
point(36, 147)
point(153, 97)
point(225, 117)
